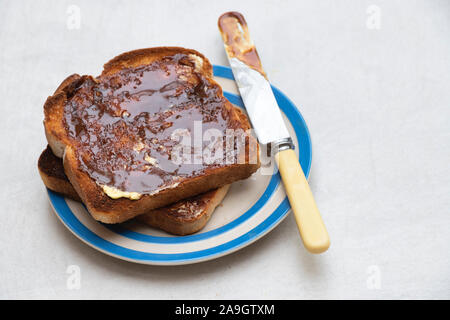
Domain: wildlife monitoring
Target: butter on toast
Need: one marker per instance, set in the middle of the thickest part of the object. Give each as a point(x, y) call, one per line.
point(184, 217)
point(114, 131)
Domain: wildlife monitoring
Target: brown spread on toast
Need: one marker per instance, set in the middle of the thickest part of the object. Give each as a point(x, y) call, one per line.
point(124, 124)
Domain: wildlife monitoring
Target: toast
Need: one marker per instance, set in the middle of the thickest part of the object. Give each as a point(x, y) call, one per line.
point(52, 174)
point(182, 218)
point(114, 132)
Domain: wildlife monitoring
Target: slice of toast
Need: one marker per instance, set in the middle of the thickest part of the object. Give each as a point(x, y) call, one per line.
point(184, 217)
point(113, 132)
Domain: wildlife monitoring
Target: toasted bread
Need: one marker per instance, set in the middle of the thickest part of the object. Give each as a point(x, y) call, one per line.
point(68, 125)
point(184, 217)
point(52, 174)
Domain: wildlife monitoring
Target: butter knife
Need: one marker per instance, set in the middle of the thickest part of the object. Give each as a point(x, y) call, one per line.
point(270, 128)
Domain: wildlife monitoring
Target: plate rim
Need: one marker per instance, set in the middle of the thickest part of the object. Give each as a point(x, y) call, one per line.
point(67, 217)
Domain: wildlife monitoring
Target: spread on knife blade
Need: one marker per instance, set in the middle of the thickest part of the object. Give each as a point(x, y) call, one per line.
point(238, 43)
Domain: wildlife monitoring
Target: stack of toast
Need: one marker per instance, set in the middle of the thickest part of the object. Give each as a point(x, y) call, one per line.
point(130, 143)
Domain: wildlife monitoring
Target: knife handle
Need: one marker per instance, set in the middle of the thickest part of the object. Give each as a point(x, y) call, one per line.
point(310, 224)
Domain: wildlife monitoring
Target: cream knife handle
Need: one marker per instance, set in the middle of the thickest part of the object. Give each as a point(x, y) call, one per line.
point(310, 224)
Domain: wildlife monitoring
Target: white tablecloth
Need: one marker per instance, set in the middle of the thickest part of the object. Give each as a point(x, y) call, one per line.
point(372, 80)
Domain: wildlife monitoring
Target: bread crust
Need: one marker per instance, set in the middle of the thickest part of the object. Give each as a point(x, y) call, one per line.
point(101, 206)
point(145, 56)
point(52, 174)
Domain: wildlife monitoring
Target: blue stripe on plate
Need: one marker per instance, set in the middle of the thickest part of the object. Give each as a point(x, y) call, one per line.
point(301, 131)
point(71, 221)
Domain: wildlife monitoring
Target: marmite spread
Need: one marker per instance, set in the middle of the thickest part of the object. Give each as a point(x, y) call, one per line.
point(125, 126)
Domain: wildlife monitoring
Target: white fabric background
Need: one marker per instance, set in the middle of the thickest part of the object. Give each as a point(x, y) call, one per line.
point(377, 103)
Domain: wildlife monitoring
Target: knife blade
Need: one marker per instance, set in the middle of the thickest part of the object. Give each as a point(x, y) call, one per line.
point(251, 79)
point(270, 128)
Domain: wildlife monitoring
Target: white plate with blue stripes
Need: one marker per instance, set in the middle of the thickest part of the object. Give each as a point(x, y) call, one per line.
point(250, 210)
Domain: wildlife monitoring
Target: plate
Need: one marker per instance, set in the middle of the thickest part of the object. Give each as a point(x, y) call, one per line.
point(250, 210)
